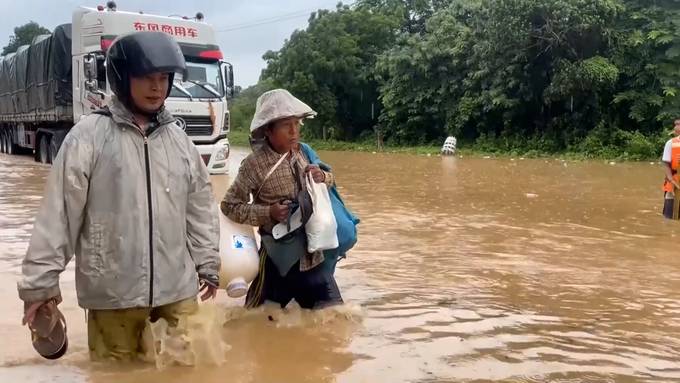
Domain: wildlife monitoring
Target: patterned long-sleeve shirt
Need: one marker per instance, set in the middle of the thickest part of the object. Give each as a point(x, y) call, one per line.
point(283, 184)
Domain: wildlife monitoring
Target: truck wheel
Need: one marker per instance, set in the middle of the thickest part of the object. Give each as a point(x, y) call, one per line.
point(3, 143)
point(44, 149)
point(9, 145)
point(53, 151)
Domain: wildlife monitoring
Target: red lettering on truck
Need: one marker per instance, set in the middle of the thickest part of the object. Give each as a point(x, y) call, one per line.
point(178, 31)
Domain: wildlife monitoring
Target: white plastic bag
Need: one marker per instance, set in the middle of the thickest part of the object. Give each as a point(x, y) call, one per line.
point(321, 228)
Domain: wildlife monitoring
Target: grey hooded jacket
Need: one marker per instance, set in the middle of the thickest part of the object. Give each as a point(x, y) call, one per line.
point(137, 211)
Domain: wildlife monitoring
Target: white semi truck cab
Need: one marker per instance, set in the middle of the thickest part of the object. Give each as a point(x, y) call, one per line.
point(199, 102)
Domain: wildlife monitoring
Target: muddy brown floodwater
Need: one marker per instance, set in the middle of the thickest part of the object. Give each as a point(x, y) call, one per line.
point(467, 269)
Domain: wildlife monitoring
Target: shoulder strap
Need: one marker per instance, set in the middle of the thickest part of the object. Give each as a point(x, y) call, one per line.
point(269, 173)
point(313, 158)
point(309, 153)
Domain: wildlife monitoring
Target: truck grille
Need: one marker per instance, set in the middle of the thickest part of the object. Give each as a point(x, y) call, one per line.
point(196, 125)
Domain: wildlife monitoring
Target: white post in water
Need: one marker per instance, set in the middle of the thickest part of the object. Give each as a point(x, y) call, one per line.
point(449, 147)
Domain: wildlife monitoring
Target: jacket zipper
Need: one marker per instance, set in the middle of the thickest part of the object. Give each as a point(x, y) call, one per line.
point(148, 195)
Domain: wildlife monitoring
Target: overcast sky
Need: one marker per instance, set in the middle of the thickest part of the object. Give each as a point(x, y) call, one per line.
point(246, 28)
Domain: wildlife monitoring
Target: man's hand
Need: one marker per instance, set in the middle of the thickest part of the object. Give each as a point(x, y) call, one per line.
point(279, 211)
point(317, 174)
point(29, 312)
point(31, 309)
point(208, 285)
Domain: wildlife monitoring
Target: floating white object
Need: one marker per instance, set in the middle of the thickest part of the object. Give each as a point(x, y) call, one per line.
point(449, 147)
point(238, 251)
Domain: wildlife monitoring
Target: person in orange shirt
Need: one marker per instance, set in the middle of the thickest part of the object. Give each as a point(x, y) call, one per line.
point(671, 162)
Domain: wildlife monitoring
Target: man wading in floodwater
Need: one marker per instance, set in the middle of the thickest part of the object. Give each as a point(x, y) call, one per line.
point(131, 197)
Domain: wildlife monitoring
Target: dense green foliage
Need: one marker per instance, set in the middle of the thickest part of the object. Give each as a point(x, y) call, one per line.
point(597, 77)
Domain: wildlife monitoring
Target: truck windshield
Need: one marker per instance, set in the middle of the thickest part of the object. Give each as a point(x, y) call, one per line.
point(203, 81)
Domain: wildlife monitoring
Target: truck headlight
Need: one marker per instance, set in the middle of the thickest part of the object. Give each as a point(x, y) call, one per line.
point(222, 154)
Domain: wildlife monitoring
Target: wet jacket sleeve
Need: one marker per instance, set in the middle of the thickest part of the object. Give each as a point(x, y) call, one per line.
point(203, 228)
point(58, 222)
point(235, 203)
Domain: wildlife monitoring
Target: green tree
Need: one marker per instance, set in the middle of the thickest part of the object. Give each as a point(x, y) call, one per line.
point(505, 69)
point(648, 54)
point(23, 35)
point(412, 13)
point(331, 66)
point(598, 76)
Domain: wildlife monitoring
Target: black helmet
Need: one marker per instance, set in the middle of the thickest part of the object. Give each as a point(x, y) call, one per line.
point(139, 54)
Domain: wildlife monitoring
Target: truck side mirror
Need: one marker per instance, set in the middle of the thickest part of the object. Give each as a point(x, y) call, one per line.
point(90, 67)
point(228, 75)
point(91, 64)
